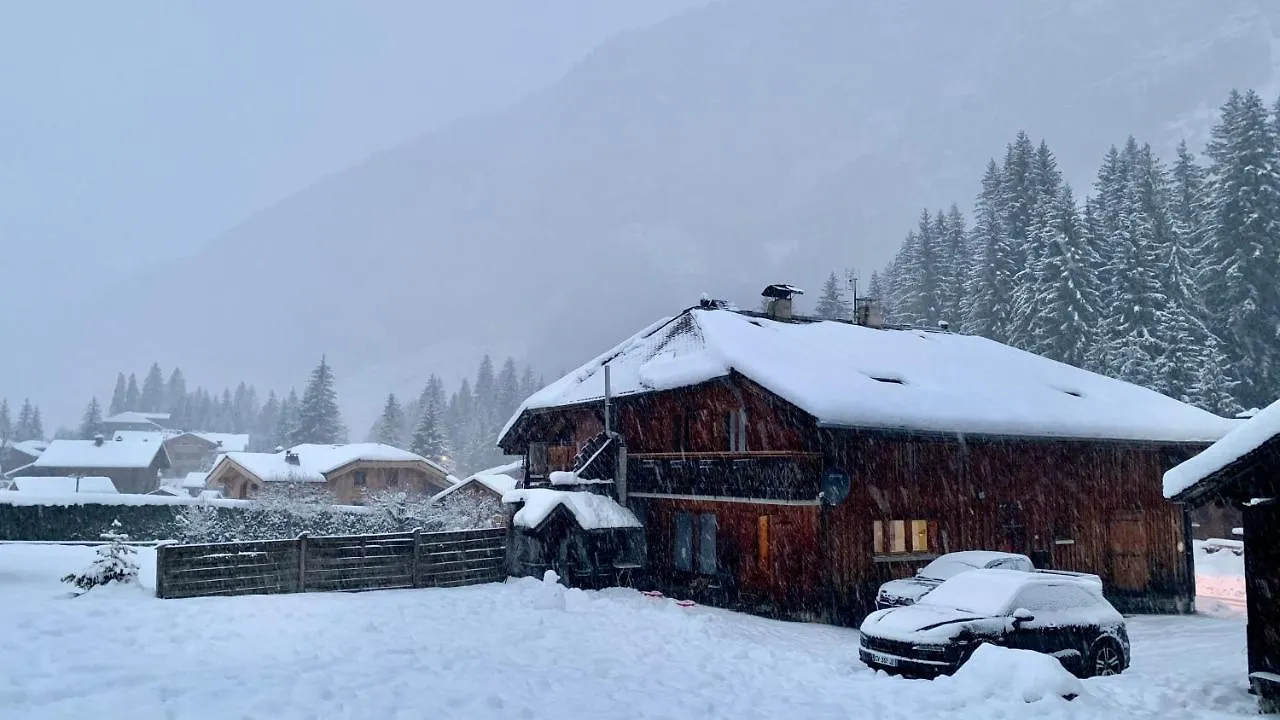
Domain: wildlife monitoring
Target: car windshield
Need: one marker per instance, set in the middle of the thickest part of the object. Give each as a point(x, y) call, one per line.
point(973, 592)
point(944, 567)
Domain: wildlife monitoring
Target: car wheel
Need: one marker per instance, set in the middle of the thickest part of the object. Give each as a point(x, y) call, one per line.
point(1105, 659)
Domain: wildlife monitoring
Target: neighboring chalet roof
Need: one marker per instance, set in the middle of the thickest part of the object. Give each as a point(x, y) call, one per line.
point(499, 484)
point(847, 375)
point(316, 461)
point(1233, 450)
point(63, 485)
point(31, 448)
point(155, 436)
point(135, 417)
point(592, 511)
point(109, 454)
point(194, 480)
point(226, 442)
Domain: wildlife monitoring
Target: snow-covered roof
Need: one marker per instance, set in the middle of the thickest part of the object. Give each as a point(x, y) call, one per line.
point(1244, 439)
point(155, 436)
point(498, 483)
point(133, 416)
point(226, 442)
point(846, 375)
point(63, 485)
point(194, 480)
point(315, 461)
point(89, 454)
point(592, 511)
point(32, 448)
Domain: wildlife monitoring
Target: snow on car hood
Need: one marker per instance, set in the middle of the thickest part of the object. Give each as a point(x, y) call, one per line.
point(912, 588)
point(917, 621)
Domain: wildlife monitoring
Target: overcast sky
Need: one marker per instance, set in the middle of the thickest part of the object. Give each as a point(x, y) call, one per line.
point(133, 132)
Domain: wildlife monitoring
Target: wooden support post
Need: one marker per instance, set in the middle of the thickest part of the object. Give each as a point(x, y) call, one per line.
point(302, 562)
point(415, 574)
point(160, 565)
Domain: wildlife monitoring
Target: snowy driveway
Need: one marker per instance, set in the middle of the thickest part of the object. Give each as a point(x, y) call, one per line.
point(519, 650)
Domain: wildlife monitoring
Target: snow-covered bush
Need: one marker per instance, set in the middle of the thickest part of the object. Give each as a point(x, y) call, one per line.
point(115, 563)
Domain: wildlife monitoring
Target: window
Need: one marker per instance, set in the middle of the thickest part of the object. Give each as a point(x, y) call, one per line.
point(360, 478)
point(735, 424)
point(900, 537)
point(537, 459)
point(1047, 598)
point(682, 548)
point(707, 544)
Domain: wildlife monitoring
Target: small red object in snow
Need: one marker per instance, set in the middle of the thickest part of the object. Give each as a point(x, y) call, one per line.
point(651, 593)
point(686, 603)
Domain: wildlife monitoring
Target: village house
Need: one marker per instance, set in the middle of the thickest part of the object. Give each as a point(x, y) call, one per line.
point(346, 472)
point(1242, 472)
point(133, 420)
point(481, 494)
point(17, 455)
point(790, 466)
point(133, 468)
point(189, 452)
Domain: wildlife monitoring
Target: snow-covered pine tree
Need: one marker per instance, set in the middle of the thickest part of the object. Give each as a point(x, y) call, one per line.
point(115, 562)
point(1242, 249)
point(118, 395)
point(287, 426)
point(1043, 228)
point(389, 430)
point(428, 437)
point(953, 266)
point(528, 384)
point(508, 391)
point(91, 421)
point(989, 296)
point(1019, 190)
point(264, 432)
point(875, 287)
point(1063, 327)
point(152, 399)
point(176, 401)
point(832, 304)
point(319, 420)
point(131, 394)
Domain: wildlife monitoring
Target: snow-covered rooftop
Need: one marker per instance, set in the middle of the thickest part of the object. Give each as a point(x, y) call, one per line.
point(314, 461)
point(500, 484)
point(847, 375)
point(133, 416)
point(194, 480)
point(89, 454)
point(226, 442)
point(592, 511)
point(1244, 439)
point(155, 436)
point(63, 485)
point(32, 448)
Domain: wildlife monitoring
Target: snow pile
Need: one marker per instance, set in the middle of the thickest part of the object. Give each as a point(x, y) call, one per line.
point(92, 454)
point(847, 375)
point(592, 511)
point(1014, 675)
point(1244, 439)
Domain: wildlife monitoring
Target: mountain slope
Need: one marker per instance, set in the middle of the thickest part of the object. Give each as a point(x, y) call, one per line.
point(741, 144)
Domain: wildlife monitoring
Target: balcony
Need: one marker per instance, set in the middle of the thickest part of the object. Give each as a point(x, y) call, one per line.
point(776, 476)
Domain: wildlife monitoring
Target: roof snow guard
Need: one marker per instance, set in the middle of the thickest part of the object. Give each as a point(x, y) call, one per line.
point(850, 376)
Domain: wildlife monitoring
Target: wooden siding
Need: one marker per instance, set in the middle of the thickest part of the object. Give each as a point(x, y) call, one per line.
point(138, 481)
point(318, 564)
point(189, 453)
point(409, 477)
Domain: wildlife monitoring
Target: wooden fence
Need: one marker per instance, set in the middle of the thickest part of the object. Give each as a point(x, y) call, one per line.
point(346, 562)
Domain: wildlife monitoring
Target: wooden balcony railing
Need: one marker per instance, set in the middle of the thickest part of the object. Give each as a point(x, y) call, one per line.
point(757, 475)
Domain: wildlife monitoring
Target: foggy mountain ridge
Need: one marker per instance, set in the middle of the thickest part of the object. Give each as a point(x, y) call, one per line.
point(740, 144)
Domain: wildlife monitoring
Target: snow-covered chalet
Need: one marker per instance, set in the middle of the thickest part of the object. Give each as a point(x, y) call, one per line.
point(789, 465)
point(346, 472)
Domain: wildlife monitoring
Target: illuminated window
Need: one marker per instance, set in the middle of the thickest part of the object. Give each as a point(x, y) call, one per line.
point(919, 536)
point(901, 537)
point(897, 536)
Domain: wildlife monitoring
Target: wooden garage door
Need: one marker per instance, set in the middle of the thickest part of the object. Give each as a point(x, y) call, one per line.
point(1127, 543)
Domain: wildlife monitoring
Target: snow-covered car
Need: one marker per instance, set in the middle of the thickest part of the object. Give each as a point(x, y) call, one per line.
point(908, 591)
point(1059, 615)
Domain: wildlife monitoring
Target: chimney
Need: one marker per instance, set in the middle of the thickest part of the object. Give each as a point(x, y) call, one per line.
point(292, 458)
point(98, 440)
point(279, 448)
point(778, 298)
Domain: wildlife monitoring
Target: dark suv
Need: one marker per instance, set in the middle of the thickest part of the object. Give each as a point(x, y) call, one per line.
point(1059, 616)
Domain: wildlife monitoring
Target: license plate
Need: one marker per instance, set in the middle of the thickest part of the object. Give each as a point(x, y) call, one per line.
point(879, 659)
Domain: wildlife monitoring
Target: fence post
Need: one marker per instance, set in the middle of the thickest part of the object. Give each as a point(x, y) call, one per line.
point(160, 561)
point(417, 547)
point(302, 562)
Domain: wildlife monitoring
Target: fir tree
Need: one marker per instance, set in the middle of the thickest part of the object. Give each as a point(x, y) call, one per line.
point(264, 430)
point(1242, 249)
point(6, 432)
point(176, 396)
point(528, 385)
point(152, 399)
point(1062, 327)
point(288, 426)
point(131, 394)
point(118, 395)
point(832, 304)
point(91, 422)
point(953, 267)
point(508, 392)
point(428, 438)
point(989, 300)
point(27, 426)
point(115, 563)
point(389, 430)
point(319, 420)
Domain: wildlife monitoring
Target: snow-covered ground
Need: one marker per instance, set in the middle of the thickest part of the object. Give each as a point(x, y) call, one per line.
point(523, 649)
point(1219, 577)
